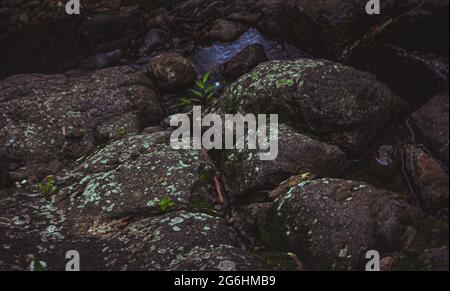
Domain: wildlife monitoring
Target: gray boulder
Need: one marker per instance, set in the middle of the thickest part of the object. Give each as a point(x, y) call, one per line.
point(48, 120)
point(336, 103)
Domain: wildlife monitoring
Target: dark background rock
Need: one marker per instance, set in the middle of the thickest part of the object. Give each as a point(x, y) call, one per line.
point(244, 61)
point(429, 179)
point(431, 123)
point(172, 72)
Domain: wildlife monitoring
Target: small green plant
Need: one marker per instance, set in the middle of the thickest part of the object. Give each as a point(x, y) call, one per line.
point(122, 132)
point(165, 204)
point(48, 187)
point(38, 266)
point(203, 95)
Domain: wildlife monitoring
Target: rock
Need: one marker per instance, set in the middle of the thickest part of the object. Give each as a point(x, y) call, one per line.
point(31, 228)
point(428, 178)
point(436, 259)
point(154, 39)
point(386, 162)
point(110, 26)
point(226, 31)
point(114, 4)
point(5, 179)
point(429, 259)
point(330, 224)
point(60, 117)
point(244, 61)
point(246, 174)
point(415, 77)
point(172, 71)
point(53, 42)
point(130, 177)
point(407, 49)
point(431, 123)
point(179, 241)
point(37, 230)
point(336, 103)
point(107, 209)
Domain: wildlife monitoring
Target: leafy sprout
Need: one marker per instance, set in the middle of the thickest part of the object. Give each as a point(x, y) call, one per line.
point(47, 188)
point(38, 266)
point(122, 132)
point(203, 95)
point(165, 204)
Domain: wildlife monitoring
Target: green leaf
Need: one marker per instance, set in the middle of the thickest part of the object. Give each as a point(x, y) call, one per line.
point(200, 84)
point(205, 78)
point(196, 100)
point(197, 93)
point(210, 96)
point(184, 101)
point(38, 267)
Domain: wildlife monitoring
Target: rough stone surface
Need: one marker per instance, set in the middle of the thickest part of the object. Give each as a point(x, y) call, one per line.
point(385, 163)
point(226, 31)
point(431, 122)
point(246, 173)
point(407, 48)
point(179, 241)
point(55, 118)
point(330, 224)
point(337, 103)
point(244, 61)
point(172, 71)
point(130, 177)
point(436, 259)
point(429, 179)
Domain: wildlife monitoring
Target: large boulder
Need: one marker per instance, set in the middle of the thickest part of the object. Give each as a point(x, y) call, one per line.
point(132, 177)
point(246, 174)
point(334, 102)
point(431, 123)
point(48, 120)
point(31, 227)
point(36, 236)
point(179, 241)
point(331, 224)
